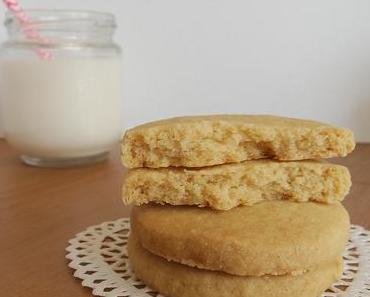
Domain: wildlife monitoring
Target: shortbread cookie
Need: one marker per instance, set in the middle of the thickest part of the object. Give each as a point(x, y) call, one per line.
point(274, 237)
point(176, 280)
point(226, 186)
point(210, 140)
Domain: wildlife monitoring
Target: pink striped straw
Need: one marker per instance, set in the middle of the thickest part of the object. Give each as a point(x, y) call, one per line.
point(29, 30)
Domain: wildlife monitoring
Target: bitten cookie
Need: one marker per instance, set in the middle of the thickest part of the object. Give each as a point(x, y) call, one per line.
point(274, 237)
point(177, 280)
point(226, 186)
point(211, 140)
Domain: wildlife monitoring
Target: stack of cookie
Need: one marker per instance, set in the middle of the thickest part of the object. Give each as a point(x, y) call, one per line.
point(237, 205)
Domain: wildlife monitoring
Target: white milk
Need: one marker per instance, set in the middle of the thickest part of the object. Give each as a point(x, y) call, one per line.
point(63, 108)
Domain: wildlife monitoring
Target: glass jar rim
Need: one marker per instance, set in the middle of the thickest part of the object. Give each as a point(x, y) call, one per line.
point(44, 16)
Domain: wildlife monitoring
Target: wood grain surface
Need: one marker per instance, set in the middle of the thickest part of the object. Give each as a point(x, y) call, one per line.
point(41, 209)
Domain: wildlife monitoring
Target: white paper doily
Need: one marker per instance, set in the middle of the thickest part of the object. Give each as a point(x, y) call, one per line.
point(99, 258)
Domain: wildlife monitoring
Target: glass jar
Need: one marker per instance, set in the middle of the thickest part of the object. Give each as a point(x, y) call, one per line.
point(66, 110)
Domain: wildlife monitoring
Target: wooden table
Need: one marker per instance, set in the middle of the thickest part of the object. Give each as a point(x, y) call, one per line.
point(41, 209)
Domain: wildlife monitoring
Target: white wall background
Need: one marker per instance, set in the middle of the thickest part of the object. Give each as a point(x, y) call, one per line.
point(308, 58)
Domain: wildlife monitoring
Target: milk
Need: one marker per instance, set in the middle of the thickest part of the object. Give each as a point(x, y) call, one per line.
point(64, 108)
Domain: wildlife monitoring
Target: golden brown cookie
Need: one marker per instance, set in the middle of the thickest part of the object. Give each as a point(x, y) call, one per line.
point(176, 280)
point(226, 186)
point(274, 237)
point(210, 140)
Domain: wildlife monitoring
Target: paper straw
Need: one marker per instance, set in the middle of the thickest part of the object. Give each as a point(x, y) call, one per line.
point(29, 31)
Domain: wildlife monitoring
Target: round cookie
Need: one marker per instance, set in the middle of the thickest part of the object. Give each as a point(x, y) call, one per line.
point(173, 279)
point(274, 237)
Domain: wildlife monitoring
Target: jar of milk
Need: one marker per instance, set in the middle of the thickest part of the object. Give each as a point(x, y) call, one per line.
point(64, 110)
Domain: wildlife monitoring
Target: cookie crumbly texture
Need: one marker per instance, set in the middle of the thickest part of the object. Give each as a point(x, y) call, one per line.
point(226, 186)
point(270, 238)
point(200, 141)
point(177, 280)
